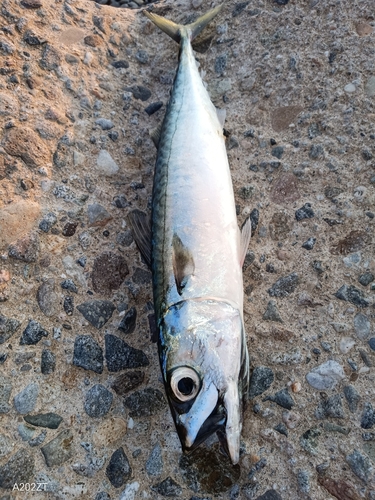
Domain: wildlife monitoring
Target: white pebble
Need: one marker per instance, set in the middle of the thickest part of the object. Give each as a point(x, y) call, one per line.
point(106, 164)
point(350, 88)
point(346, 343)
point(325, 376)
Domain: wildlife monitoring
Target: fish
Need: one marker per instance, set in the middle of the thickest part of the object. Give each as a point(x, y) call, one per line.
point(196, 251)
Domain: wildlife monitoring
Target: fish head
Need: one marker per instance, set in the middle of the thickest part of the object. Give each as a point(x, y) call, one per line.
point(204, 362)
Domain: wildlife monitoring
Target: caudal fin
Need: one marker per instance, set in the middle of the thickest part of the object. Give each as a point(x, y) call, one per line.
point(176, 31)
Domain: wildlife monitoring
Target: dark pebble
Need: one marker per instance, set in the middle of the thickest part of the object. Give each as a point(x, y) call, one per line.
point(145, 402)
point(32, 39)
point(118, 470)
point(282, 398)
point(51, 58)
point(108, 272)
point(142, 56)
point(353, 295)
point(153, 107)
point(366, 278)
point(49, 420)
point(18, 469)
point(317, 265)
point(33, 333)
point(98, 401)
point(271, 494)
point(97, 312)
point(48, 362)
point(154, 464)
point(309, 440)
point(238, 8)
point(254, 218)
point(142, 276)
point(257, 467)
point(8, 327)
point(120, 64)
point(261, 379)
point(82, 261)
point(309, 244)
point(120, 201)
point(281, 429)
point(352, 396)
point(113, 135)
point(249, 259)
point(368, 416)
point(3, 357)
point(120, 355)
point(284, 286)
point(88, 354)
point(371, 343)
point(47, 222)
point(69, 229)
point(272, 312)
point(139, 92)
point(167, 488)
point(366, 155)
point(128, 322)
point(127, 381)
point(125, 239)
point(220, 64)
point(102, 495)
point(104, 124)
point(305, 212)
point(277, 152)
point(69, 285)
point(360, 465)
point(330, 407)
point(68, 305)
point(281, 2)
point(316, 150)
point(60, 449)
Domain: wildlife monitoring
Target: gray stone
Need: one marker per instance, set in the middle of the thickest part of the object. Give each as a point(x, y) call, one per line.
point(353, 295)
point(88, 354)
point(368, 416)
point(97, 312)
point(25, 401)
point(60, 449)
point(142, 276)
point(139, 92)
point(370, 86)
point(305, 212)
point(105, 125)
point(284, 286)
point(49, 420)
point(6, 445)
point(325, 376)
point(47, 298)
point(352, 396)
point(98, 215)
point(5, 390)
point(8, 327)
point(32, 333)
point(366, 278)
point(38, 440)
point(154, 464)
point(128, 322)
point(18, 469)
point(98, 401)
point(309, 244)
point(272, 313)
point(282, 398)
point(168, 488)
point(145, 402)
point(261, 379)
point(48, 362)
point(142, 56)
point(277, 151)
point(51, 58)
point(303, 479)
point(125, 238)
point(362, 326)
point(120, 355)
point(330, 407)
point(69, 284)
point(360, 465)
point(270, 495)
point(309, 440)
point(118, 470)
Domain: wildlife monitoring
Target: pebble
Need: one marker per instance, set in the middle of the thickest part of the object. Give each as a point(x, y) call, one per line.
point(142, 56)
point(47, 298)
point(128, 322)
point(325, 376)
point(69, 284)
point(305, 212)
point(130, 491)
point(316, 151)
point(272, 313)
point(371, 343)
point(25, 249)
point(5, 391)
point(106, 164)
point(353, 295)
point(60, 449)
point(127, 381)
point(104, 124)
point(284, 286)
point(277, 152)
point(309, 440)
point(8, 327)
point(153, 107)
point(118, 469)
point(48, 362)
point(330, 407)
point(293, 357)
point(18, 469)
point(261, 379)
point(362, 326)
point(25, 401)
point(370, 86)
point(33, 333)
point(108, 272)
point(68, 305)
point(97, 312)
point(350, 88)
point(303, 480)
point(120, 355)
point(352, 260)
point(154, 464)
point(281, 429)
point(309, 244)
point(368, 416)
point(98, 216)
point(102, 495)
point(145, 402)
point(88, 354)
point(270, 495)
point(168, 488)
point(346, 344)
point(49, 420)
point(98, 401)
point(360, 465)
point(352, 396)
point(125, 239)
point(291, 419)
point(139, 92)
point(282, 398)
point(47, 222)
point(366, 278)
point(120, 64)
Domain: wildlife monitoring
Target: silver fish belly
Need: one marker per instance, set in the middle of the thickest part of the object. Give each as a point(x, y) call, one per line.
point(197, 256)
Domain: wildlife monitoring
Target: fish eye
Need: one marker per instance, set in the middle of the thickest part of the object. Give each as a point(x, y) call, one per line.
point(185, 383)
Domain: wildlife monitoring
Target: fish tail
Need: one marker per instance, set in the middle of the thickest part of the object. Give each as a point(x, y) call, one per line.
point(179, 31)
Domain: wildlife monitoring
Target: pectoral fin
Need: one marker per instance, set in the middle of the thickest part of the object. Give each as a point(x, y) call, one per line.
point(245, 239)
point(141, 229)
point(155, 135)
point(183, 263)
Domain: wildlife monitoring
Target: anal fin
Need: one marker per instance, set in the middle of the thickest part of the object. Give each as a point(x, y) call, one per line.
point(141, 230)
point(183, 263)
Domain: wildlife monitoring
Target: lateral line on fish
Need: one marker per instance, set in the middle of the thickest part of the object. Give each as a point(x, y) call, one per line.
point(202, 299)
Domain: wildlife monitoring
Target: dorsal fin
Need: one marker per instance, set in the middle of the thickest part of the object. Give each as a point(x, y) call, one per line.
point(183, 263)
point(141, 229)
point(245, 239)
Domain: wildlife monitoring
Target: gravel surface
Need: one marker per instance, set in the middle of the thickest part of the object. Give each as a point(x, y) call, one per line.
point(82, 405)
